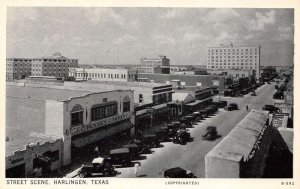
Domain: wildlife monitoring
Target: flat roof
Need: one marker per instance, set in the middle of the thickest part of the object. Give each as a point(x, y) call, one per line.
point(43, 93)
point(129, 84)
point(19, 138)
point(240, 141)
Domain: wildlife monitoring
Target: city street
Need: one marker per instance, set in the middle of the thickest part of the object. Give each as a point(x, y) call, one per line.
point(191, 156)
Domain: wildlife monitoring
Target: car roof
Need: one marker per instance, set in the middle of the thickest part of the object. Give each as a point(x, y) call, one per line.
point(119, 151)
point(176, 171)
point(98, 160)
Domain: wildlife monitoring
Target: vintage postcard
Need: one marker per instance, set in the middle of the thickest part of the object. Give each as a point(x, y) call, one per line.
point(149, 95)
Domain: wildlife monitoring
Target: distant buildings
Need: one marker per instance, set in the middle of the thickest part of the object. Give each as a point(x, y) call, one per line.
point(181, 80)
point(55, 65)
point(100, 74)
point(228, 58)
point(155, 65)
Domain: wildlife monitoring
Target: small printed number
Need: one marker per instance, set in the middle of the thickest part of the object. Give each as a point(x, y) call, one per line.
point(287, 183)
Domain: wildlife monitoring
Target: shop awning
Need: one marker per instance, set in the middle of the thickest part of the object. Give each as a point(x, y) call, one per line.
point(86, 138)
point(198, 102)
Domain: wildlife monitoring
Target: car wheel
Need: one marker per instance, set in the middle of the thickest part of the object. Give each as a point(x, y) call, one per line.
point(106, 174)
point(82, 174)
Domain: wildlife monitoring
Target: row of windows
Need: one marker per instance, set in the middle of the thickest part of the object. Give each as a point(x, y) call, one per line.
point(232, 64)
point(101, 75)
point(231, 57)
point(232, 50)
point(242, 60)
point(233, 53)
point(99, 112)
point(230, 67)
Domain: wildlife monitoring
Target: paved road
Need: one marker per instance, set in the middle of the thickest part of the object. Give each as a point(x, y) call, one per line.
point(191, 156)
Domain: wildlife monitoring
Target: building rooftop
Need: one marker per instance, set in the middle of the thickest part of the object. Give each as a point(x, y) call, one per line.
point(43, 93)
point(18, 139)
point(129, 84)
point(241, 140)
point(180, 96)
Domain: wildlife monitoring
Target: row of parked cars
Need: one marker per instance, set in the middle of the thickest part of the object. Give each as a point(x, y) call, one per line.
point(176, 131)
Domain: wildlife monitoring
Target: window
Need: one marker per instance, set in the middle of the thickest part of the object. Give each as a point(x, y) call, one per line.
point(104, 111)
point(141, 99)
point(76, 118)
point(126, 106)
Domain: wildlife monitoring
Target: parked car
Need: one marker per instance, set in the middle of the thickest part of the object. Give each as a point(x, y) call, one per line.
point(185, 122)
point(121, 156)
point(163, 134)
point(178, 172)
point(100, 167)
point(182, 136)
point(135, 149)
point(198, 116)
point(222, 104)
point(231, 106)
point(211, 109)
point(210, 133)
point(204, 113)
point(150, 140)
point(271, 108)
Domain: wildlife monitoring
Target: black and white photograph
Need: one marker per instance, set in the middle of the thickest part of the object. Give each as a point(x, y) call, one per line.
point(149, 92)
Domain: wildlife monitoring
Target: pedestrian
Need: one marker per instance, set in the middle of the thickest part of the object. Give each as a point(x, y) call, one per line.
point(247, 107)
point(136, 165)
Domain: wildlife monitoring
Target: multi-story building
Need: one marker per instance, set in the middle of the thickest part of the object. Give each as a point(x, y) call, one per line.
point(55, 65)
point(81, 74)
point(155, 65)
point(17, 68)
point(76, 116)
point(228, 58)
point(232, 73)
point(178, 68)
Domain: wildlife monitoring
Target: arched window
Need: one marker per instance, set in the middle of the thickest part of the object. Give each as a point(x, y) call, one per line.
point(77, 115)
point(126, 104)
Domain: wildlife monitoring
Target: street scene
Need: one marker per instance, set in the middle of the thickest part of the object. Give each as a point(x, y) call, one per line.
point(149, 93)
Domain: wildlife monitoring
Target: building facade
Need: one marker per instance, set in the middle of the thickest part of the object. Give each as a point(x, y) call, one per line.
point(78, 117)
point(55, 65)
point(27, 152)
point(17, 68)
point(228, 58)
point(155, 65)
point(82, 74)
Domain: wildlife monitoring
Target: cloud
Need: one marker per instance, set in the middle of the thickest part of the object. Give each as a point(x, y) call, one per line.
point(173, 13)
point(99, 15)
point(53, 40)
point(161, 39)
point(219, 15)
point(261, 20)
point(192, 36)
point(127, 38)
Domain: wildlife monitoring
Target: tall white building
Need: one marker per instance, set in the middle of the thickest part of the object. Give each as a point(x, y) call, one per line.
point(238, 58)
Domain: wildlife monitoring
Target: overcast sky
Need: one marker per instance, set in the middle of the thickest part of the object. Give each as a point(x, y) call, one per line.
point(125, 35)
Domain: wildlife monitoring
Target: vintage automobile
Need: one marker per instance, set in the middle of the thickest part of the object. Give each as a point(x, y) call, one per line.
point(173, 127)
point(231, 106)
point(211, 109)
point(189, 120)
point(222, 103)
point(178, 172)
point(163, 134)
point(198, 116)
point(253, 93)
point(204, 113)
point(271, 108)
point(100, 167)
point(121, 156)
point(135, 149)
point(150, 140)
point(182, 136)
point(211, 133)
point(185, 122)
